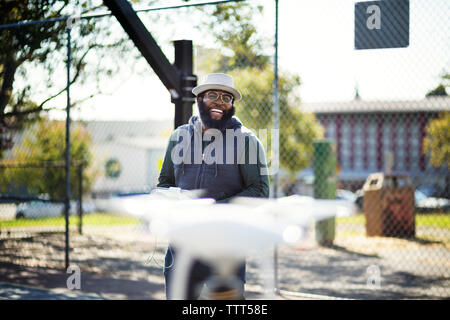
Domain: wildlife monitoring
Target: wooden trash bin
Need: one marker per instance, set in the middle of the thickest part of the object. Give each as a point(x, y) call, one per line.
point(389, 206)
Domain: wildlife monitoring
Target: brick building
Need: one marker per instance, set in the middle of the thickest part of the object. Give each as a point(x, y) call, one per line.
point(366, 133)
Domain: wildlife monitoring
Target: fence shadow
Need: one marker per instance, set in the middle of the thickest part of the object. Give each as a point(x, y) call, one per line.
point(21, 282)
point(350, 252)
point(425, 241)
point(109, 269)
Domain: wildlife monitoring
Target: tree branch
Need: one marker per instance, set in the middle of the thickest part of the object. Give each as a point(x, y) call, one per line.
point(7, 84)
point(78, 68)
point(41, 108)
point(77, 74)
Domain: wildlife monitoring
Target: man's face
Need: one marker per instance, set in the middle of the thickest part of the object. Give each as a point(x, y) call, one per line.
point(214, 112)
point(215, 105)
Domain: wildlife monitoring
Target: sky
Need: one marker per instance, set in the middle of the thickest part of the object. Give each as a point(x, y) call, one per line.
point(316, 41)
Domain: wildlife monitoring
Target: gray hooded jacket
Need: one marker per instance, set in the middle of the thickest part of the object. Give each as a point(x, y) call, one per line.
point(224, 164)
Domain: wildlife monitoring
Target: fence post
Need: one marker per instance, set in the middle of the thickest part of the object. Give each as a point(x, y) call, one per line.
point(67, 153)
point(325, 165)
point(80, 198)
point(276, 146)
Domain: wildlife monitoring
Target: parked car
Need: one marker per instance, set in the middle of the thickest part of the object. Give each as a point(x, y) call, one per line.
point(349, 196)
point(44, 209)
point(38, 209)
point(359, 199)
point(423, 203)
point(430, 204)
point(434, 191)
point(345, 195)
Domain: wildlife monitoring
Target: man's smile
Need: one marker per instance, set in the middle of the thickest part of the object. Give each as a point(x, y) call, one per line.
point(216, 112)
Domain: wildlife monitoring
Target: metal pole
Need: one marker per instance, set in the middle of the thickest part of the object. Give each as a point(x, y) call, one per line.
point(80, 198)
point(276, 149)
point(67, 195)
point(184, 63)
point(276, 114)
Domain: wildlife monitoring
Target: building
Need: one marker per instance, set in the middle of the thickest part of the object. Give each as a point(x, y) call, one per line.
point(371, 134)
point(128, 154)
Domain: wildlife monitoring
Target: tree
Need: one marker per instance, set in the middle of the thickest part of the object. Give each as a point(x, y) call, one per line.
point(232, 25)
point(242, 57)
point(43, 143)
point(30, 47)
point(438, 91)
point(441, 89)
point(24, 48)
point(297, 129)
point(437, 140)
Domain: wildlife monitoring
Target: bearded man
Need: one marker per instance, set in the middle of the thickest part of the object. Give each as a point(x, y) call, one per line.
point(219, 155)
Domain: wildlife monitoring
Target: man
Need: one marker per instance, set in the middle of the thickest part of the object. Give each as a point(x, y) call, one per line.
point(217, 154)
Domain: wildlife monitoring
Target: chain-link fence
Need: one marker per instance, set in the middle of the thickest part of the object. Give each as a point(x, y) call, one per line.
point(396, 246)
point(374, 111)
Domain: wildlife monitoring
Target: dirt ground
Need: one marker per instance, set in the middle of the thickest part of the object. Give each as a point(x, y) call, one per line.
point(126, 263)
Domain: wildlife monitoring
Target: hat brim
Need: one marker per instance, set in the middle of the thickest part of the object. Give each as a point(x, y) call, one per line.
point(205, 87)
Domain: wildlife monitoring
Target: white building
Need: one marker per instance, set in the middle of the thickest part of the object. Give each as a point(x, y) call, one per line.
point(128, 154)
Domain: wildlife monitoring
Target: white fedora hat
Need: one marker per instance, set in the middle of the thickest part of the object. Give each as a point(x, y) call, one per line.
point(218, 81)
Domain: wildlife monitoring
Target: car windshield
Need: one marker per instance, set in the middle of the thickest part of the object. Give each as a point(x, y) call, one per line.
point(345, 194)
point(419, 195)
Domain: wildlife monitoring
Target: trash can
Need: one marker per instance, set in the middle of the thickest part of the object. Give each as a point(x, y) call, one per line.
point(325, 178)
point(389, 206)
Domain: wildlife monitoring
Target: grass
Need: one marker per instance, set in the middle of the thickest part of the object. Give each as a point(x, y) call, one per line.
point(434, 220)
point(359, 219)
point(93, 219)
point(430, 228)
point(437, 220)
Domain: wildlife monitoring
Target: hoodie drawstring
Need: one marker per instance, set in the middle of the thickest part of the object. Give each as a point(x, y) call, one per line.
point(186, 153)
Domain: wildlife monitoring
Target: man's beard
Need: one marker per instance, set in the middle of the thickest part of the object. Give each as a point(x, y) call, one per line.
point(211, 123)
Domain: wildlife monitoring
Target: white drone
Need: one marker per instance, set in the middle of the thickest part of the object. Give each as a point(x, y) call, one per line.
point(225, 234)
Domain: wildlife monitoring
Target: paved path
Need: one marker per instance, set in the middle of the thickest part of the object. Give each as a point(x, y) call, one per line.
point(117, 263)
point(20, 292)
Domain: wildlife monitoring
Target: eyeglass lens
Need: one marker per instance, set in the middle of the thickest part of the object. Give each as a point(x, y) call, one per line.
point(213, 95)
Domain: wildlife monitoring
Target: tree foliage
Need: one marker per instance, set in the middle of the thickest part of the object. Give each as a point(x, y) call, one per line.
point(44, 144)
point(437, 140)
point(441, 89)
point(233, 27)
point(27, 48)
point(242, 57)
point(97, 45)
point(297, 129)
point(43, 46)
